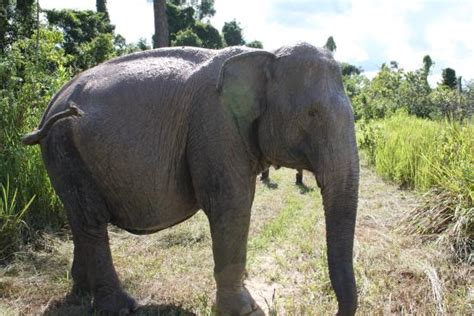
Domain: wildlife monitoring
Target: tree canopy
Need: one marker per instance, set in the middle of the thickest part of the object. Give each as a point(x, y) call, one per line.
point(233, 33)
point(101, 6)
point(330, 44)
point(449, 78)
point(186, 17)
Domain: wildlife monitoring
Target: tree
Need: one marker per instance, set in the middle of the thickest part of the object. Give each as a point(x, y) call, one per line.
point(101, 6)
point(25, 17)
point(349, 70)
point(427, 64)
point(202, 8)
point(100, 49)
point(179, 19)
point(255, 44)
point(6, 12)
point(208, 35)
point(414, 94)
point(187, 38)
point(449, 78)
point(17, 19)
point(182, 18)
point(206, 9)
point(233, 33)
point(142, 44)
point(161, 37)
point(80, 29)
point(330, 44)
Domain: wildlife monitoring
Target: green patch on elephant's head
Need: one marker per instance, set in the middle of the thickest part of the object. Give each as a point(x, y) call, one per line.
point(240, 99)
point(242, 103)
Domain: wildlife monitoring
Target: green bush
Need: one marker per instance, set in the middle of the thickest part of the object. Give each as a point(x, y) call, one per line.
point(393, 90)
point(187, 38)
point(29, 76)
point(208, 34)
point(428, 155)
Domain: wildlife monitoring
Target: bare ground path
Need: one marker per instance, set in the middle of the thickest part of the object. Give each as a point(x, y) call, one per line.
point(170, 273)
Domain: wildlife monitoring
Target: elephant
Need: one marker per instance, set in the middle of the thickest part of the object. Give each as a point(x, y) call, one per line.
point(264, 176)
point(146, 140)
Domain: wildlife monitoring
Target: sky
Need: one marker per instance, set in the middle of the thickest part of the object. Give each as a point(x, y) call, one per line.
point(367, 32)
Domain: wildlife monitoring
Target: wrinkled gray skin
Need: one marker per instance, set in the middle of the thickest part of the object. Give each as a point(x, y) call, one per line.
point(167, 132)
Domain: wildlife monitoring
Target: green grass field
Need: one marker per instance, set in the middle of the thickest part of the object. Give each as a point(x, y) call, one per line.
point(170, 272)
point(434, 156)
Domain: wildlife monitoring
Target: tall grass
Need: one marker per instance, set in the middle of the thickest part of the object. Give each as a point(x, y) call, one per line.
point(28, 79)
point(437, 157)
point(12, 224)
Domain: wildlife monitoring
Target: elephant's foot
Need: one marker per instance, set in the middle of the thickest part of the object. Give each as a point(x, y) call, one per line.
point(79, 290)
point(114, 303)
point(238, 301)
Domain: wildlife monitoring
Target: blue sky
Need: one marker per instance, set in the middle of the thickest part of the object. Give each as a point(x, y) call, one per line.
point(367, 32)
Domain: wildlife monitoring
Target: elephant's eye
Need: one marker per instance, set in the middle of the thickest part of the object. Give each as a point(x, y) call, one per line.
point(312, 113)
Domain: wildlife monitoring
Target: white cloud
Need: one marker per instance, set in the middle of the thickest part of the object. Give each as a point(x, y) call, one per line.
point(367, 32)
point(133, 21)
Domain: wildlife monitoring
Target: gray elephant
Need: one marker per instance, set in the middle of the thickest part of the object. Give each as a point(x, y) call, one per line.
point(146, 140)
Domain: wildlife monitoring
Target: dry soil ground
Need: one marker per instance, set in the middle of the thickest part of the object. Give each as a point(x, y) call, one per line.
point(170, 273)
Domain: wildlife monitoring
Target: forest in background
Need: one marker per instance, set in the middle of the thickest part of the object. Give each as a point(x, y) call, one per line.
point(417, 135)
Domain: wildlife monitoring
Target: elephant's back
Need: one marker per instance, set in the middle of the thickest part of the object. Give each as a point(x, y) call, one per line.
point(132, 138)
point(133, 133)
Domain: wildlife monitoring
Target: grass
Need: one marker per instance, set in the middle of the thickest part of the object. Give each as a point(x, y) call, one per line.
point(170, 272)
point(12, 224)
point(434, 156)
point(29, 78)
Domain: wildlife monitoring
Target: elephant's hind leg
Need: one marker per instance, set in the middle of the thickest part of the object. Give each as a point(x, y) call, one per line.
point(92, 269)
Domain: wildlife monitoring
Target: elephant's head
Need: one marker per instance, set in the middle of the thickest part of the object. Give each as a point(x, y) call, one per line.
point(294, 100)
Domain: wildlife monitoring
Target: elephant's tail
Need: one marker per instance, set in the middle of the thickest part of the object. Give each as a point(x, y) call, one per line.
point(34, 137)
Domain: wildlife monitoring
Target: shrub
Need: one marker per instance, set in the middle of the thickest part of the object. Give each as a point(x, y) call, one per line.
point(187, 38)
point(429, 155)
point(208, 35)
point(29, 76)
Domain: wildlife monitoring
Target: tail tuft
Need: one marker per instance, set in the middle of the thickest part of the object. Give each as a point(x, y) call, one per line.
point(34, 137)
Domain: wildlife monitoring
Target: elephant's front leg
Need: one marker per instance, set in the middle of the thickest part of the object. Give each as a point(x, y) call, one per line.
point(229, 220)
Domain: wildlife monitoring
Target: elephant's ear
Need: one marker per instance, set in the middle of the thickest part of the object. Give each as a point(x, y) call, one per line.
point(242, 85)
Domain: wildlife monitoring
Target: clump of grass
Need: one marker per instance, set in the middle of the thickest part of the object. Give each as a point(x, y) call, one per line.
point(429, 156)
point(11, 220)
point(445, 218)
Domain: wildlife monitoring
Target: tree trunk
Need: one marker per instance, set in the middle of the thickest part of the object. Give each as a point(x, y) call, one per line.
point(161, 37)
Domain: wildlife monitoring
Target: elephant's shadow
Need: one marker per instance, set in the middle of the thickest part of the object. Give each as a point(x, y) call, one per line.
point(304, 188)
point(270, 184)
point(65, 306)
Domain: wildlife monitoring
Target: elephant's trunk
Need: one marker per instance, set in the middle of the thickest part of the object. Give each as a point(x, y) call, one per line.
point(338, 178)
